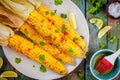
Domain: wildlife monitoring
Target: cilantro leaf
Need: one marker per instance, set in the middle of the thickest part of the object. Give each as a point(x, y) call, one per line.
point(43, 69)
point(58, 2)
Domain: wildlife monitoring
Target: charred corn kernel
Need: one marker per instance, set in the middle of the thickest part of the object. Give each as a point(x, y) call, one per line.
point(47, 29)
point(34, 52)
point(59, 22)
point(44, 44)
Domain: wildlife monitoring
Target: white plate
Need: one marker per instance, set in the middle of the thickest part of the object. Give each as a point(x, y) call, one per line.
point(26, 66)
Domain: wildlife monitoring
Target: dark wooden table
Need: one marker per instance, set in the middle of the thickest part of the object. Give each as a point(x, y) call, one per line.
point(94, 45)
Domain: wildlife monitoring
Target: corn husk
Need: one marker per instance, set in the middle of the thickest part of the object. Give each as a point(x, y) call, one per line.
point(5, 33)
point(8, 18)
point(21, 8)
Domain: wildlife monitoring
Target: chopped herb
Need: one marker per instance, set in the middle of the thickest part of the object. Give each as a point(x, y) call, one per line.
point(75, 39)
point(102, 45)
point(52, 13)
point(58, 2)
point(42, 57)
point(55, 45)
point(55, 11)
point(42, 68)
point(57, 31)
point(59, 59)
point(81, 76)
point(64, 28)
point(26, 32)
point(97, 5)
point(33, 65)
point(42, 43)
point(34, 42)
point(82, 37)
point(17, 60)
point(111, 38)
point(70, 51)
point(46, 12)
point(62, 15)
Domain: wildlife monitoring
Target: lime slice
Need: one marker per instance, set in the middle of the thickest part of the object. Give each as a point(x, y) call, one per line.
point(72, 20)
point(97, 22)
point(9, 74)
point(103, 31)
point(1, 78)
point(1, 62)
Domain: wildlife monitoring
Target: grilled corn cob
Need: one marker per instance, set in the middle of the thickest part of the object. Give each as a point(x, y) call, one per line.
point(35, 53)
point(59, 22)
point(52, 49)
point(47, 29)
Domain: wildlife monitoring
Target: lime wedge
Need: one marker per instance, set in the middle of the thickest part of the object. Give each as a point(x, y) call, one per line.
point(103, 31)
point(9, 74)
point(97, 22)
point(1, 78)
point(1, 62)
point(72, 20)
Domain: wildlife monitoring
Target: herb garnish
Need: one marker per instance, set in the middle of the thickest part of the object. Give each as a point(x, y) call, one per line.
point(70, 51)
point(52, 13)
point(75, 39)
point(57, 31)
point(42, 68)
point(112, 38)
point(64, 16)
point(58, 2)
point(17, 60)
point(46, 12)
point(102, 45)
point(42, 57)
point(64, 28)
point(96, 6)
point(42, 43)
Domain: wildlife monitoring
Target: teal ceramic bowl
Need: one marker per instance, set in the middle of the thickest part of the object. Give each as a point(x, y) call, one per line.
point(115, 71)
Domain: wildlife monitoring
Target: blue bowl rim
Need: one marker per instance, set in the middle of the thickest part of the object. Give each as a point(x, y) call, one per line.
point(92, 60)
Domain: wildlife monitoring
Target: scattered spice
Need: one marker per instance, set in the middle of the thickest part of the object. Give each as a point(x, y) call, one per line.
point(55, 45)
point(64, 16)
point(82, 36)
point(55, 11)
point(33, 66)
point(17, 60)
point(42, 68)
